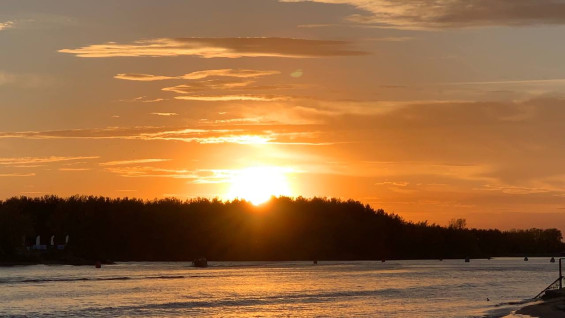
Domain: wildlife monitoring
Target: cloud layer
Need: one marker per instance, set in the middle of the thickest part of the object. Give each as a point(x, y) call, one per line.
point(197, 75)
point(6, 25)
point(217, 47)
point(215, 85)
point(416, 14)
point(17, 161)
point(237, 134)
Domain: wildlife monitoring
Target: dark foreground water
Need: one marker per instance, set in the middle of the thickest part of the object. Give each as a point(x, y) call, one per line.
point(449, 288)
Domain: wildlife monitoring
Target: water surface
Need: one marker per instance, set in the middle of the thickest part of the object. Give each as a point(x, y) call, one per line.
point(430, 288)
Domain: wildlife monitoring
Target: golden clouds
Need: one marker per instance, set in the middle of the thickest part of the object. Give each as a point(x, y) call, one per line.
point(215, 85)
point(165, 114)
point(143, 77)
point(231, 98)
point(239, 134)
point(197, 75)
point(134, 161)
point(12, 166)
point(6, 25)
point(17, 174)
point(40, 160)
point(217, 48)
point(207, 85)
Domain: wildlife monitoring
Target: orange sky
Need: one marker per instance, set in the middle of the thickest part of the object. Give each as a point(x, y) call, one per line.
point(432, 110)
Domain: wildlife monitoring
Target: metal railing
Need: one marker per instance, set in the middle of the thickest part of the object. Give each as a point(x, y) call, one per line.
point(557, 284)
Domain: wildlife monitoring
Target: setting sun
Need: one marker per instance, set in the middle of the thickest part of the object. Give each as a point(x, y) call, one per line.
point(258, 184)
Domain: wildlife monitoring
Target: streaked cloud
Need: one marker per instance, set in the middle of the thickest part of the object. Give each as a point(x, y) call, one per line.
point(142, 99)
point(205, 85)
point(17, 175)
point(6, 25)
point(134, 161)
point(208, 85)
point(197, 176)
point(74, 169)
point(226, 91)
point(197, 75)
point(251, 134)
point(164, 114)
point(231, 98)
point(39, 160)
point(143, 77)
point(146, 172)
point(218, 48)
point(200, 176)
point(24, 79)
point(419, 14)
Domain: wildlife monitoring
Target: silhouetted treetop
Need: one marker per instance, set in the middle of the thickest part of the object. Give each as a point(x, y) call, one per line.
point(130, 229)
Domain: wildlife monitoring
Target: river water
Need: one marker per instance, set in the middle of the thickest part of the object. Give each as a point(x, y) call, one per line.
point(427, 288)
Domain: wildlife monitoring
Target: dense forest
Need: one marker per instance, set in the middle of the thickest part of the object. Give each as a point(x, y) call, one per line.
point(282, 229)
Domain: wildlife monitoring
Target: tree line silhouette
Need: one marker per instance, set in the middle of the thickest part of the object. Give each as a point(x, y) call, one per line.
point(126, 229)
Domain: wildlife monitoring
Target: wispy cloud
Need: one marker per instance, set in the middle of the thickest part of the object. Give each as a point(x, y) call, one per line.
point(145, 172)
point(130, 162)
point(6, 25)
point(200, 176)
point(559, 81)
point(197, 75)
point(24, 80)
point(143, 77)
point(230, 98)
point(203, 85)
point(254, 134)
point(18, 161)
point(218, 48)
point(418, 14)
point(142, 99)
point(164, 114)
point(17, 175)
point(74, 169)
point(207, 85)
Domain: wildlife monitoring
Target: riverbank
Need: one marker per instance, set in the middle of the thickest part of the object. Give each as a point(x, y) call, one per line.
point(60, 261)
point(551, 308)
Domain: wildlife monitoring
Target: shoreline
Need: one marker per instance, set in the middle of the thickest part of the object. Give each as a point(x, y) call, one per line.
point(549, 308)
point(73, 262)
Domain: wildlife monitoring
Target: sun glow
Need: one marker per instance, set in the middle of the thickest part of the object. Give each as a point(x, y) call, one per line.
point(258, 184)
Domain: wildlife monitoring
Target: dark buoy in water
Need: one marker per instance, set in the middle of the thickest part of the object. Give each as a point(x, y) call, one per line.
point(467, 259)
point(552, 260)
point(98, 264)
point(315, 262)
point(525, 259)
point(200, 262)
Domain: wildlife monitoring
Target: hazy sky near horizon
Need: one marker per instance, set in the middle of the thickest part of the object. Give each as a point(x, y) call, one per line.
point(429, 109)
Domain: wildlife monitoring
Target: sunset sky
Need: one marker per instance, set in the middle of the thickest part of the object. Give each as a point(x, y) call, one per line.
point(433, 110)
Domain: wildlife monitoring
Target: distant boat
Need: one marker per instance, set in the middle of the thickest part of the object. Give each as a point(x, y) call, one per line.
point(525, 259)
point(467, 259)
point(552, 260)
point(200, 262)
